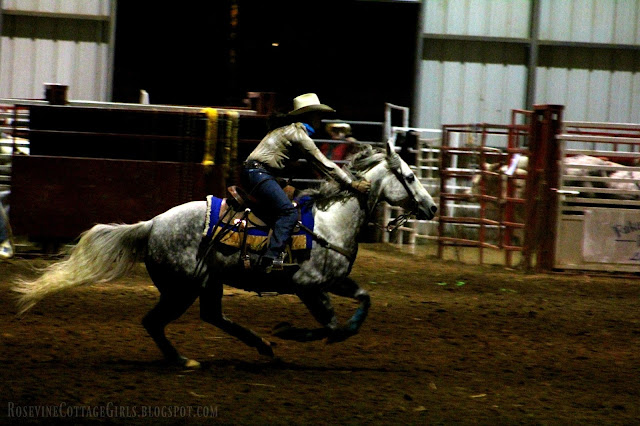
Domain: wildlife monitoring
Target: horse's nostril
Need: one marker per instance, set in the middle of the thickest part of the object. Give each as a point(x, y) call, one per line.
point(434, 209)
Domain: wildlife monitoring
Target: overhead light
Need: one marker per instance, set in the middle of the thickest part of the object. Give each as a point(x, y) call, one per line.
point(275, 44)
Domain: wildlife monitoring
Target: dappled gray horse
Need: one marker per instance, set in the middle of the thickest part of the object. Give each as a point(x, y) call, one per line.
point(183, 267)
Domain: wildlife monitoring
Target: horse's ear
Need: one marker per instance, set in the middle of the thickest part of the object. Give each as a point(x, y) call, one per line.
point(393, 159)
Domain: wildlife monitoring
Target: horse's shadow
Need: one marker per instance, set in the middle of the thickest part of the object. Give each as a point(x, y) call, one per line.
point(259, 366)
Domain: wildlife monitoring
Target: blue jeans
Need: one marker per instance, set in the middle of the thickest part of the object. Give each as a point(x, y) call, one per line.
point(276, 208)
point(4, 217)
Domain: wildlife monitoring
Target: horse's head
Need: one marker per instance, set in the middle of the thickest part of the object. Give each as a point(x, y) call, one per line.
point(394, 182)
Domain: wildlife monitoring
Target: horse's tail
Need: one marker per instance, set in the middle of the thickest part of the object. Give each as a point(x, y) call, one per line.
point(103, 253)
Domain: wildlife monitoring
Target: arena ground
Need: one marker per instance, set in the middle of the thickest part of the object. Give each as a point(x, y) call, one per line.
point(444, 343)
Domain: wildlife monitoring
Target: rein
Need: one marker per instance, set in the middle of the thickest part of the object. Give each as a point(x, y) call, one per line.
point(397, 222)
point(325, 243)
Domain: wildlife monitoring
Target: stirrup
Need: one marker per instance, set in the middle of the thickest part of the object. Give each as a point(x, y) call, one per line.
point(278, 264)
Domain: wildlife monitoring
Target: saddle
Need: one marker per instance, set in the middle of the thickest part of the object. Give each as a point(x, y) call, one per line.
point(231, 221)
point(239, 199)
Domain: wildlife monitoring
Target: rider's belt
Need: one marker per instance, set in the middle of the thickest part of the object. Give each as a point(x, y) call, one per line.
point(253, 164)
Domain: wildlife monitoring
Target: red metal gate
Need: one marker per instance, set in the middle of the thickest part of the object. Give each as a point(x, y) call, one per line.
point(480, 177)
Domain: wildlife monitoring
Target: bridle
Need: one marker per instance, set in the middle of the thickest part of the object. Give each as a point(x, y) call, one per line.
point(395, 165)
point(397, 222)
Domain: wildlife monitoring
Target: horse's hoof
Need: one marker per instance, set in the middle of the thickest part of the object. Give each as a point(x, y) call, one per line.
point(266, 349)
point(192, 364)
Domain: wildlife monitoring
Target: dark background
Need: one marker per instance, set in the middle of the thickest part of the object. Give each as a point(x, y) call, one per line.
point(355, 55)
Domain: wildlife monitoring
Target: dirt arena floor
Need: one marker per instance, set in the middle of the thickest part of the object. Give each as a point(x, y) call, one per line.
point(444, 343)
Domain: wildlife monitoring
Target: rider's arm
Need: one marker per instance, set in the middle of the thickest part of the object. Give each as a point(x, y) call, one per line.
point(312, 153)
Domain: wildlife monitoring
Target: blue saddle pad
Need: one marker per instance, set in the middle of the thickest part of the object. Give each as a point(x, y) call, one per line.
point(256, 236)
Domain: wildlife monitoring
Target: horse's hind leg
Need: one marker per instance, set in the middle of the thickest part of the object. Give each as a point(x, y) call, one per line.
point(211, 312)
point(349, 288)
point(169, 308)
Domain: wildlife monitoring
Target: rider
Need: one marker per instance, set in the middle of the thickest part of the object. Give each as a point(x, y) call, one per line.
point(273, 156)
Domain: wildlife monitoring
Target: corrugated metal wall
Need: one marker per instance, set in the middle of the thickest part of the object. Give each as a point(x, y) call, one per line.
point(593, 21)
point(56, 41)
point(496, 18)
point(593, 84)
point(476, 57)
point(468, 82)
point(78, 7)
point(465, 80)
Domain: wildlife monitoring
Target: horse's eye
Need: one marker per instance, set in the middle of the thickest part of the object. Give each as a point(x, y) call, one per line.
point(410, 178)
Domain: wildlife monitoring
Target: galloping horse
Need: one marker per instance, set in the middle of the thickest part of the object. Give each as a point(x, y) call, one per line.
point(183, 267)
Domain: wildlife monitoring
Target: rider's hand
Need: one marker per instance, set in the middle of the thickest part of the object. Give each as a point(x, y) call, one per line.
point(362, 186)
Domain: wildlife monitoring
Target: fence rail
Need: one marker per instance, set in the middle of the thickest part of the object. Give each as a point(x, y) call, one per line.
point(14, 124)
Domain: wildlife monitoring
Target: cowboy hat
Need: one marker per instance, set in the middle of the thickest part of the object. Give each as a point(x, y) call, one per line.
point(307, 103)
point(344, 127)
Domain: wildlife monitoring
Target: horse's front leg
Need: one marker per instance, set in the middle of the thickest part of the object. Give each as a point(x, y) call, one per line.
point(349, 288)
point(319, 305)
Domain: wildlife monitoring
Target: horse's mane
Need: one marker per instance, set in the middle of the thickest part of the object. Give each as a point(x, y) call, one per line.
point(361, 161)
point(365, 159)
